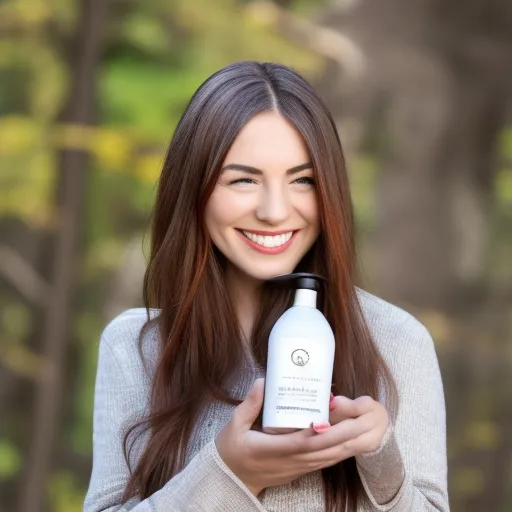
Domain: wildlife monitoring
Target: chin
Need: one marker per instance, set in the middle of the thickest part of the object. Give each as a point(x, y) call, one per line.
point(269, 272)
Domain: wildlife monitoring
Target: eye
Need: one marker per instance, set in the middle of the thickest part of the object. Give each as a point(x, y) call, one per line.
point(241, 181)
point(305, 180)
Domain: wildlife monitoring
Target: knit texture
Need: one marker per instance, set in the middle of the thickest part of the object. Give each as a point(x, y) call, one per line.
point(408, 473)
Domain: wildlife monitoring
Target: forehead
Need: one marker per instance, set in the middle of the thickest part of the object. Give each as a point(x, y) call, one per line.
point(268, 140)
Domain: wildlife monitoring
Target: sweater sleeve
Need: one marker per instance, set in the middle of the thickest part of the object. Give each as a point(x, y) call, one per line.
point(205, 484)
point(408, 473)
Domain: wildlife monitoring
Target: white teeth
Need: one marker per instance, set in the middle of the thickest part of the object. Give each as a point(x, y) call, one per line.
point(269, 241)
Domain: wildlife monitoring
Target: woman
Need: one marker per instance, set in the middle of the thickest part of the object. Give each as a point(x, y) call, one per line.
point(254, 185)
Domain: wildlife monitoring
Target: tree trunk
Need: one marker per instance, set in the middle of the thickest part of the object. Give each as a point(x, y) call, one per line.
point(72, 180)
point(437, 94)
point(435, 86)
point(435, 197)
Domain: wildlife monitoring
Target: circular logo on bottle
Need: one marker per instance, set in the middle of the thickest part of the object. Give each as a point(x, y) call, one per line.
point(300, 357)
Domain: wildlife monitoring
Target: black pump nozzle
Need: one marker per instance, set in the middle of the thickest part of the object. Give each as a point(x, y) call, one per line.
point(305, 280)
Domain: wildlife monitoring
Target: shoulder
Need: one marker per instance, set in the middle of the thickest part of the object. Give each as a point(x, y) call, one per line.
point(394, 330)
point(122, 335)
point(129, 321)
point(407, 348)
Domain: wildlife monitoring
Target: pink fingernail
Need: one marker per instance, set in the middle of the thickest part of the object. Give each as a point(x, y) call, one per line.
point(321, 426)
point(332, 397)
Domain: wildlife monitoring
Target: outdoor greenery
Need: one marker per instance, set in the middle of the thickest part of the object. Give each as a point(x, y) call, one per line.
point(154, 55)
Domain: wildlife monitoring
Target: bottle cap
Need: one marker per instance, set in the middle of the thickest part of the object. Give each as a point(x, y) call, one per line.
point(304, 280)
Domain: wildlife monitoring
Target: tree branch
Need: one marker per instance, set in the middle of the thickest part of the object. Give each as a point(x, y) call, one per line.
point(22, 276)
point(327, 42)
point(25, 362)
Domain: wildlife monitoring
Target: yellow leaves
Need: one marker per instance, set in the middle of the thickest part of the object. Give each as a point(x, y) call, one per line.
point(263, 14)
point(29, 13)
point(28, 195)
point(72, 136)
point(225, 31)
point(148, 167)
point(33, 12)
point(17, 133)
point(15, 355)
point(49, 84)
point(483, 435)
point(266, 20)
point(22, 361)
point(65, 492)
point(26, 170)
point(28, 162)
point(111, 148)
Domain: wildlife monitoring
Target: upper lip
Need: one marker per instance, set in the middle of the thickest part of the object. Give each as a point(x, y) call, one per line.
point(268, 233)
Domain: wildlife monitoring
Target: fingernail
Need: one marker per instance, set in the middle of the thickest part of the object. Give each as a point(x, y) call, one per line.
point(332, 405)
point(321, 426)
point(332, 397)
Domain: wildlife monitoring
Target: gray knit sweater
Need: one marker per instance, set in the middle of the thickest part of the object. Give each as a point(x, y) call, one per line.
point(407, 473)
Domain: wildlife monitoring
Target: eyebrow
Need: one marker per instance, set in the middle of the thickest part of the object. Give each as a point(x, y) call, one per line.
point(255, 171)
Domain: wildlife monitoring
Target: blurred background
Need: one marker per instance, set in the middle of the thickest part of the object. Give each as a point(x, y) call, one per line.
point(90, 92)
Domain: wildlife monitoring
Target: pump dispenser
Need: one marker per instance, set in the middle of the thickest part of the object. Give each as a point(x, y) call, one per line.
point(300, 361)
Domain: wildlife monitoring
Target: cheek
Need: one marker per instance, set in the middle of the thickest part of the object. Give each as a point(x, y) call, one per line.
point(309, 210)
point(224, 208)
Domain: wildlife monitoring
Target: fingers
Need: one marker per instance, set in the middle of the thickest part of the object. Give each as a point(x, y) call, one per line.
point(342, 407)
point(247, 412)
point(349, 418)
point(283, 445)
point(341, 432)
point(307, 440)
point(364, 443)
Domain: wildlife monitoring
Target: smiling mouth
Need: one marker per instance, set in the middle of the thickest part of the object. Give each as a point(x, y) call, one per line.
point(268, 241)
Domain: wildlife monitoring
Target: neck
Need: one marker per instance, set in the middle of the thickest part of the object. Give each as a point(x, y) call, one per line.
point(245, 293)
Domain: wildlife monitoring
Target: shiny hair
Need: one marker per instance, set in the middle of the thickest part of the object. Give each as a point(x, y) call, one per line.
point(200, 340)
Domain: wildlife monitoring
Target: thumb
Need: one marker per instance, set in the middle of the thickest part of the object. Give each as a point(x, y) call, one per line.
point(247, 412)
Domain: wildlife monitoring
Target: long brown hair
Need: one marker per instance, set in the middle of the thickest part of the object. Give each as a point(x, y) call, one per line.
point(200, 340)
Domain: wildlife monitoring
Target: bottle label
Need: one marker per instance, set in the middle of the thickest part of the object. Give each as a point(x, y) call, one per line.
point(298, 383)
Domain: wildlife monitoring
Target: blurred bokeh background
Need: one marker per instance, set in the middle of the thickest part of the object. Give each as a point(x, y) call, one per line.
point(90, 92)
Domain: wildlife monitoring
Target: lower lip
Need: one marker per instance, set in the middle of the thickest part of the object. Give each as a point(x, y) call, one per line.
point(267, 250)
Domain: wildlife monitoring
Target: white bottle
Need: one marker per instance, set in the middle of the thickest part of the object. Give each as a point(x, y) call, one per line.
point(300, 362)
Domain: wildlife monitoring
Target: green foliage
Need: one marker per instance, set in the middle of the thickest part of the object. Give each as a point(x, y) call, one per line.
point(80, 434)
point(10, 459)
point(15, 321)
point(503, 185)
point(65, 493)
point(157, 54)
point(362, 174)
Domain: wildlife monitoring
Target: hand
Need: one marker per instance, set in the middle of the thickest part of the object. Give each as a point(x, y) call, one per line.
point(262, 460)
point(256, 458)
point(366, 417)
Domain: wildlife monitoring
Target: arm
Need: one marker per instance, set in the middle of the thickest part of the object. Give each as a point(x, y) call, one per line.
point(408, 473)
point(205, 484)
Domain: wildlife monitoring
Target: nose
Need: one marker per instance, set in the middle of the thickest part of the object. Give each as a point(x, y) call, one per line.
point(274, 207)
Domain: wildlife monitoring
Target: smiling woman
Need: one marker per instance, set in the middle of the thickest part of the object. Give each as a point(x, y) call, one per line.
point(254, 185)
point(265, 200)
